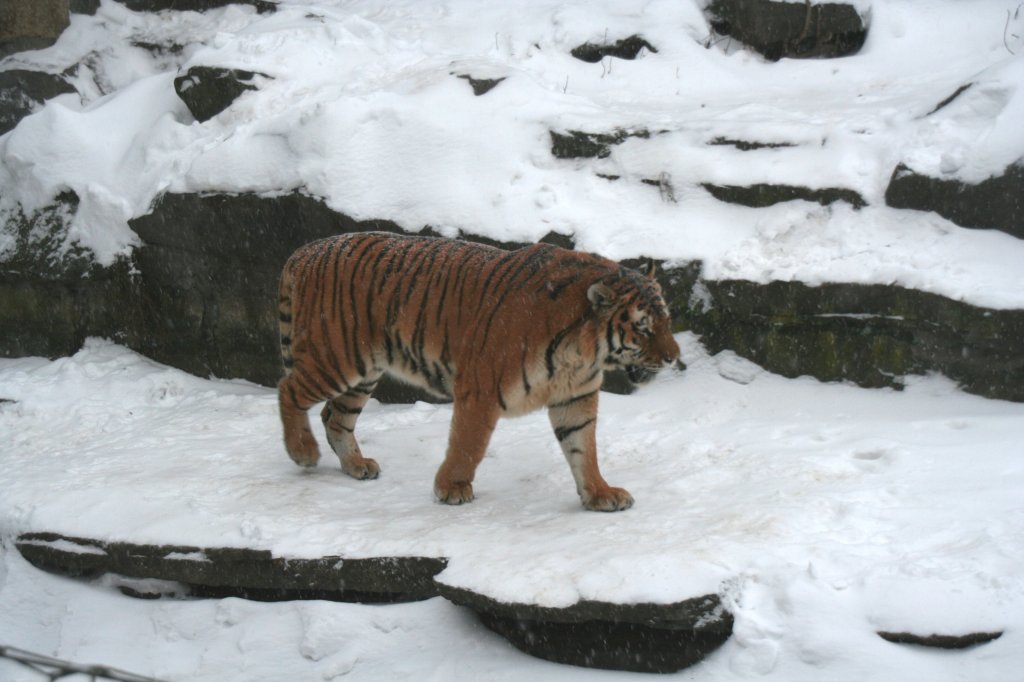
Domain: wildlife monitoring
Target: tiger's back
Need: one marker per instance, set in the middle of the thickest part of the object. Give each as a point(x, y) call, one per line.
point(499, 332)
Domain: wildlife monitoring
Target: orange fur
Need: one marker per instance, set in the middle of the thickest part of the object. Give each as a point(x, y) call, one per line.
point(502, 333)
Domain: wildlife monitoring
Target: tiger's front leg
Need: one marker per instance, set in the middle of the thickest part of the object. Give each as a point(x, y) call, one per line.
point(575, 424)
point(473, 422)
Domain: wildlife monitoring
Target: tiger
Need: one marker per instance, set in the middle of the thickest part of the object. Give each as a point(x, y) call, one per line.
point(499, 333)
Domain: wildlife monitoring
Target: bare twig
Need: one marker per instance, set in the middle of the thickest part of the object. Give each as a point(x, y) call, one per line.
point(1006, 28)
point(55, 669)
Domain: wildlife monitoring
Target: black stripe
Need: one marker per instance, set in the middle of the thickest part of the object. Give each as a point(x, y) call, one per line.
point(574, 399)
point(556, 288)
point(536, 261)
point(460, 283)
point(593, 375)
point(443, 276)
point(352, 343)
point(563, 432)
point(499, 265)
point(549, 355)
point(365, 387)
point(429, 252)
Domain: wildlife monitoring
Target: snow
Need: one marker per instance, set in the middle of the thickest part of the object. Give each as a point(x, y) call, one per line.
point(821, 513)
point(359, 104)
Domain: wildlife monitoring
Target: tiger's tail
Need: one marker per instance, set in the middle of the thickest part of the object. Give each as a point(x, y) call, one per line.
point(284, 308)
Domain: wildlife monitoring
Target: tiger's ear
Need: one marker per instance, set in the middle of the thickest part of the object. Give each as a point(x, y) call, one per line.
point(650, 269)
point(600, 296)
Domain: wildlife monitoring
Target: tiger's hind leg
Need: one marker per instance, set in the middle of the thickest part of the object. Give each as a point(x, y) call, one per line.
point(339, 417)
point(298, 437)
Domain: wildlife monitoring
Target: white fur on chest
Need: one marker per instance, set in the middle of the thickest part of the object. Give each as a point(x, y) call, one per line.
point(575, 374)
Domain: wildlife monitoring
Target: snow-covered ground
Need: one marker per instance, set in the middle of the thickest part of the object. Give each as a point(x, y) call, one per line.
point(360, 104)
point(821, 512)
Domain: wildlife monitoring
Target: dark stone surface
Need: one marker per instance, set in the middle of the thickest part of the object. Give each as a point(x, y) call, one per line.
point(949, 100)
point(261, 6)
point(573, 144)
point(209, 270)
point(23, 91)
point(626, 48)
point(941, 641)
point(761, 195)
point(481, 86)
point(790, 29)
point(198, 295)
point(653, 638)
point(995, 203)
point(84, 6)
point(31, 24)
point(748, 145)
point(240, 572)
point(868, 334)
point(209, 90)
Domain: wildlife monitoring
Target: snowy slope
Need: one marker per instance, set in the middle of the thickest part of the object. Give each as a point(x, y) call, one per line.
point(360, 105)
point(821, 513)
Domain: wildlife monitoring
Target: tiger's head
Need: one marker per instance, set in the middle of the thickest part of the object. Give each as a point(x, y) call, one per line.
point(636, 324)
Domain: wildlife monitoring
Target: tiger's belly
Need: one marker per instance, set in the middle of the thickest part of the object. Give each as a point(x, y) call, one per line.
point(430, 374)
point(517, 390)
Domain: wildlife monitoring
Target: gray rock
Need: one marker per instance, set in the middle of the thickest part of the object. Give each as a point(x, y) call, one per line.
point(626, 48)
point(208, 278)
point(22, 92)
point(747, 145)
point(652, 638)
point(868, 334)
point(84, 6)
point(764, 194)
point(31, 24)
point(238, 572)
point(995, 203)
point(481, 86)
point(790, 29)
point(261, 6)
point(941, 641)
point(574, 144)
point(209, 90)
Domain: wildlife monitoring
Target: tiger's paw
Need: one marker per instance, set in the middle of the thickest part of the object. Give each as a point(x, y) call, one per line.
point(361, 469)
point(458, 492)
point(608, 500)
point(302, 449)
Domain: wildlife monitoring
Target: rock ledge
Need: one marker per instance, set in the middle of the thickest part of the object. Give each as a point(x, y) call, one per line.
point(636, 637)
